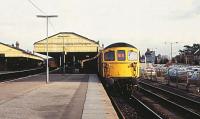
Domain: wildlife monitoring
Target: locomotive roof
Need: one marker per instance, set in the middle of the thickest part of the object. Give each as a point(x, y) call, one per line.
point(120, 45)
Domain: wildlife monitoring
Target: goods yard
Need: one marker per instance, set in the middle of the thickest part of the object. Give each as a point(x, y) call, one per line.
point(88, 81)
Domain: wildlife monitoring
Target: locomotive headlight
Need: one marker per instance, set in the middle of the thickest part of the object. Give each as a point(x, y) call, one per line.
point(132, 55)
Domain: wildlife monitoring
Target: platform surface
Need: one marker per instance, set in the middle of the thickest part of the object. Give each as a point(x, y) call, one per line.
point(68, 96)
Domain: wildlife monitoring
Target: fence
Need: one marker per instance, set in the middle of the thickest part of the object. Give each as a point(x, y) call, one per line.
point(179, 78)
point(175, 77)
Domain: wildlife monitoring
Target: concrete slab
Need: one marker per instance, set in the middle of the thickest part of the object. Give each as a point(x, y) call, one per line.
point(97, 104)
point(66, 97)
point(47, 101)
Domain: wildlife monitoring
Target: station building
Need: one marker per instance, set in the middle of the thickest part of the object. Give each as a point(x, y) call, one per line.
point(68, 49)
point(13, 58)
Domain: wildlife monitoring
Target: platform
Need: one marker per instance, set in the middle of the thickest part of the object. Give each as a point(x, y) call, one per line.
point(68, 96)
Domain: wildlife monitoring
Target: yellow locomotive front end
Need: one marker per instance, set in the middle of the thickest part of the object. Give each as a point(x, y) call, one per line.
point(120, 63)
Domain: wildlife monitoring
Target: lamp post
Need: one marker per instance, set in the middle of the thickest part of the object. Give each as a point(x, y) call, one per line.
point(47, 18)
point(63, 51)
point(171, 47)
point(154, 55)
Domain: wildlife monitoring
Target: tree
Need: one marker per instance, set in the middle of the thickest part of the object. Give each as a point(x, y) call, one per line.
point(188, 54)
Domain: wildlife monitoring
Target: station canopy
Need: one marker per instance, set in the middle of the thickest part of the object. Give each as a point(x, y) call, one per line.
point(9, 51)
point(66, 42)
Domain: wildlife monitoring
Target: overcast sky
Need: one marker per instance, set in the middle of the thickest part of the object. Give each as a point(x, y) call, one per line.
point(142, 23)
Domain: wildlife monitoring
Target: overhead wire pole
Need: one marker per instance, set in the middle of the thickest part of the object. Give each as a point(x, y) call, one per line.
point(47, 63)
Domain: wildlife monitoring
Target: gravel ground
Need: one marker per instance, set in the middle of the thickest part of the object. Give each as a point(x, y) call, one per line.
point(128, 111)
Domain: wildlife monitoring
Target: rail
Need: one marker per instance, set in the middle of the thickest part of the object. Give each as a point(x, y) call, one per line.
point(192, 103)
point(17, 74)
point(147, 111)
point(185, 112)
point(117, 109)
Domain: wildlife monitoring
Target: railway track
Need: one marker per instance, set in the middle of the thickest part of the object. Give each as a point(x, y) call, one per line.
point(183, 106)
point(17, 74)
point(151, 102)
point(11, 76)
point(145, 110)
point(130, 107)
point(117, 108)
point(183, 93)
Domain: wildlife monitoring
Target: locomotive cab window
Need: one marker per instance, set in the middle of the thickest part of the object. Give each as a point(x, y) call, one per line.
point(132, 55)
point(121, 55)
point(109, 56)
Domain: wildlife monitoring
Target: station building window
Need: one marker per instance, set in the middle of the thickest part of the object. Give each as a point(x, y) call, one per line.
point(121, 55)
point(132, 56)
point(109, 56)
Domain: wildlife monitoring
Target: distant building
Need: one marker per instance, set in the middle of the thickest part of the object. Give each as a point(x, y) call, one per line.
point(150, 56)
point(142, 59)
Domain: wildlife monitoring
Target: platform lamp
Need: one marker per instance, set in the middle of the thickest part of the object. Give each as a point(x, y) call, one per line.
point(47, 18)
point(64, 53)
point(171, 46)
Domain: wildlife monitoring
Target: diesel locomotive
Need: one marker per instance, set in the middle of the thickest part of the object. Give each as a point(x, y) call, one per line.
point(119, 65)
